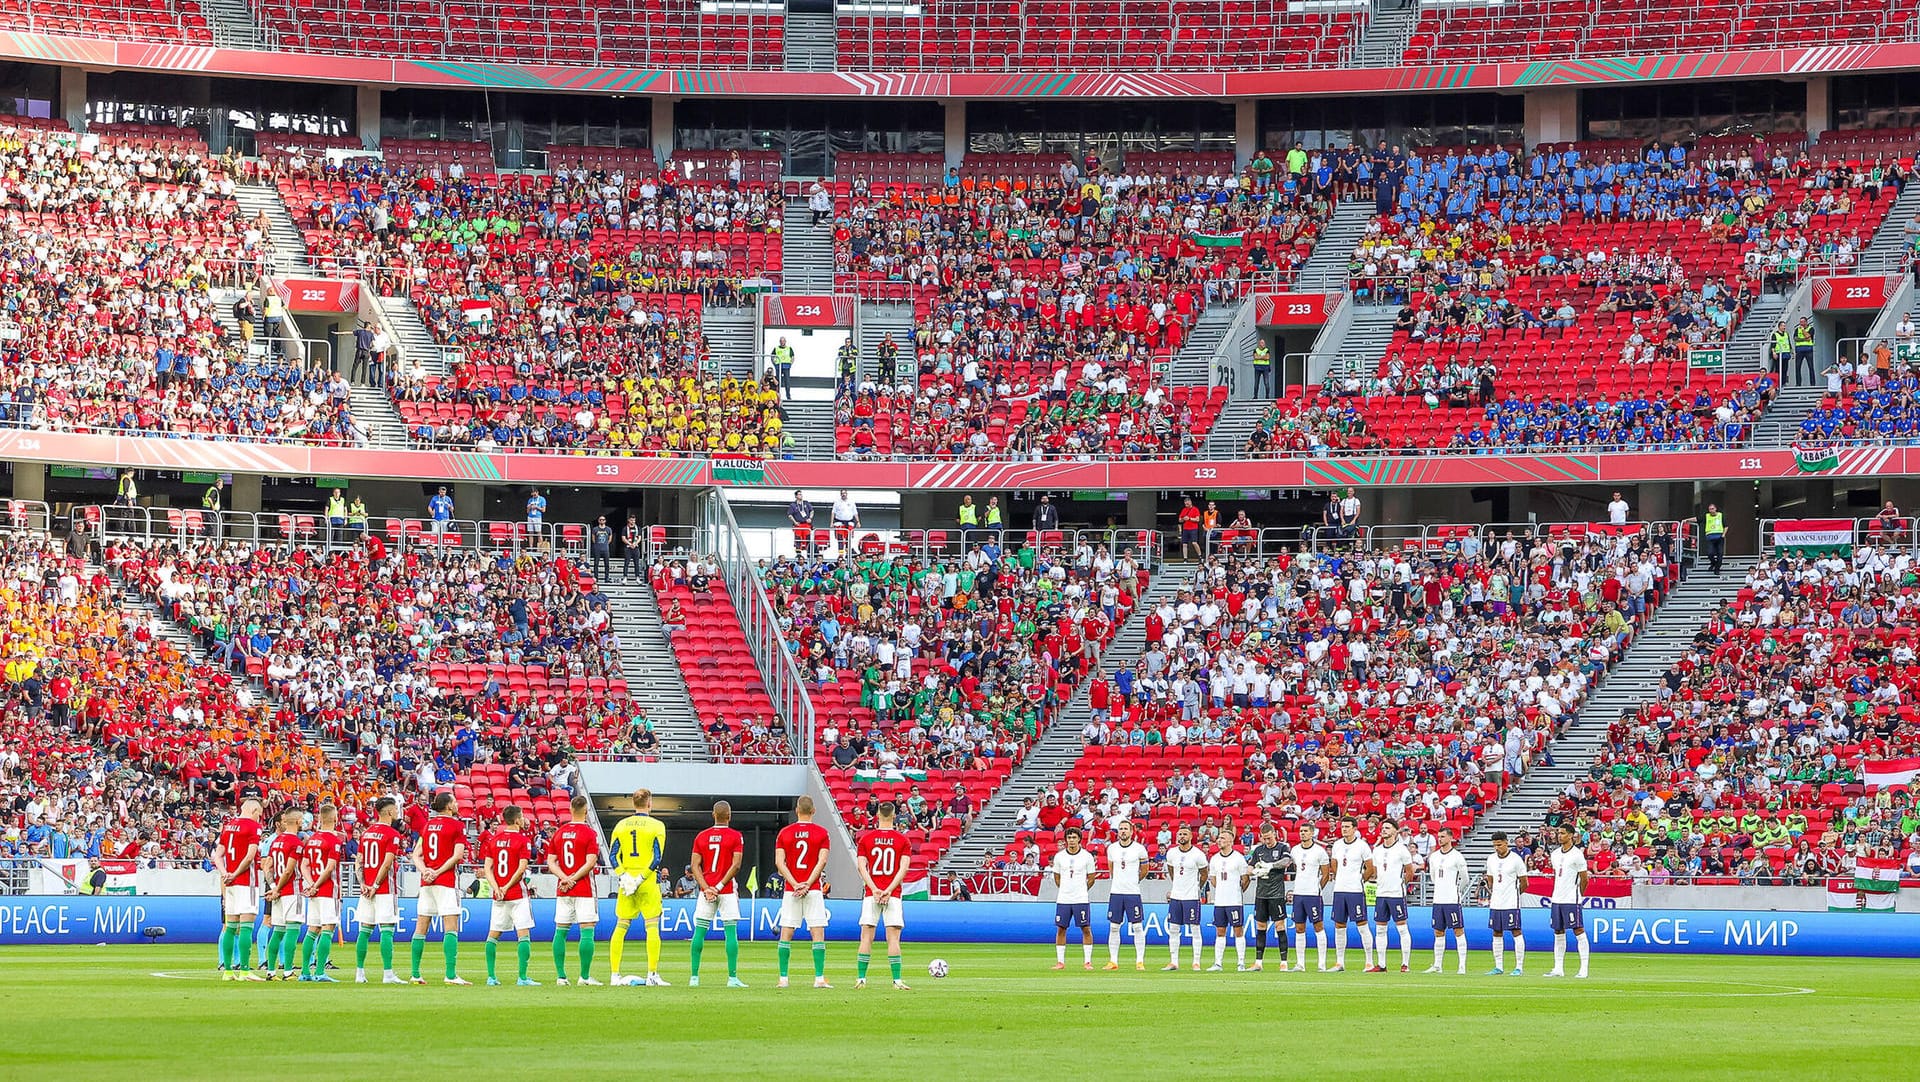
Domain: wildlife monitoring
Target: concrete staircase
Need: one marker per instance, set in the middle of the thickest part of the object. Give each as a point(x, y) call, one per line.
point(1362, 348)
point(810, 424)
point(1228, 437)
point(806, 251)
point(234, 27)
point(1747, 349)
point(411, 336)
point(1326, 269)
point(1059, 747)
point(1634, 680)
point(1192, 366)
point(1886, 252)
point(811, 43)
point(373, 411)
point(877, 320)
point(1792, 406)
point(730, 340)
point(1384, 41)
point(652, 670)
point(289, 246)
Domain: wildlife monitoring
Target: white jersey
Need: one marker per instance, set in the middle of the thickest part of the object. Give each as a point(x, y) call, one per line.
point(1350, 866)
point(1184, 868)
point(1308, 860)
point(1449, 874)
point(1567, 866)
point(1073, 870)
point(1123, 867)
point(1226, 870)
point(1390, 863)
point(1505, 875)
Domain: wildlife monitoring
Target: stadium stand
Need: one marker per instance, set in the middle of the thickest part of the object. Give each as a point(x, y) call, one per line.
point(737, 714)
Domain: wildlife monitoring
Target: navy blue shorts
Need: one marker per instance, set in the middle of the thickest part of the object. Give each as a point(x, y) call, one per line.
point(1568, 918)
point(1224, 915)
point(1183, 912)
point(1308, 909)
point(1448, 915)
point(1349, 907)
point(1390, 910)
point(1504, 920)
point(1065, 913)
point(1125, 909)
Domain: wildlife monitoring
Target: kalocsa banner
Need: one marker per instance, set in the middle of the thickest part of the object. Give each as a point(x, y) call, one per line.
point(57, 920)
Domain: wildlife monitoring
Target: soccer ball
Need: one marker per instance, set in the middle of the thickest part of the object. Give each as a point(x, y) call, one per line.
point(937, 968)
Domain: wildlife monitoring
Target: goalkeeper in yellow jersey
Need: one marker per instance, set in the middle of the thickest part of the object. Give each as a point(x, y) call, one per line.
point(639, 848)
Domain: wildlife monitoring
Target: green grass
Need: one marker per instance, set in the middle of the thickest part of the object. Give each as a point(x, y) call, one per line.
point(157, 1013)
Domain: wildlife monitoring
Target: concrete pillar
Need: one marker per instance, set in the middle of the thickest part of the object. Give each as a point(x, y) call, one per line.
point(924, 511)
point(1143, 510)
point(1903, 491)
point(470, 502)
point(1742, 508)
point(1392, 506)
point(366, 113)
point(73, 97)
point(1819, 499)
point(1819, 105)
point(1656, 503)
point(1246, 130)
point(956, 131)
point(1552, 115)
point(662, 125)
point(245, 493)
point(1519, 503)
point(30, 481)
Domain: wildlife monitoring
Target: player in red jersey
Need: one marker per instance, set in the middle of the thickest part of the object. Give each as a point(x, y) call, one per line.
point(320, 889)
point(236, 856)
point(800, 856)
point(286, 916)
point(573, 852)
point(885, 856)
point(379, 900)
point(717, 853)
point(506, 854)
point(437, 854)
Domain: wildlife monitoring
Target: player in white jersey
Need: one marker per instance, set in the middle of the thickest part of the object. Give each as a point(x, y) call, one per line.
point(1312, 869)
point(1228, 876)
point(1393, 866)
point(1352, 867)
point(1506, 871)
point(1125, 858)
point(1447, 869)
point(1185, 867)
point(1569, 887)
point(1073, 872)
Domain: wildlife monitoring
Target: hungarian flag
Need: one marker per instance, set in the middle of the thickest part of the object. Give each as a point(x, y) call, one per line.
point(1218, 240)
point(1815, 459)
point(477, 313)
point(1885, 772)
point(1844, 897)
point(1876, 875)
point(739, 471)
point(915, 890)
point(1813, 536)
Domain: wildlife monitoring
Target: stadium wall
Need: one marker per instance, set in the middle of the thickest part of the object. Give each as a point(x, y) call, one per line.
point(77, 921)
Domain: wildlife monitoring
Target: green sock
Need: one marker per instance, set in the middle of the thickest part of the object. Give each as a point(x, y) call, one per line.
point(244, 953)
point(290, 945)
point(733, 949)
point(819, 960)
point(560, 952)
point(227, 936)
point(786, 953)
point(321, 953)
point(586, 953)
point(360, 946)
point(699, 944)
point(493, 954)
point(274, 936)
point(525, 949)
point(418, 949)
point(893, 963)
point(386, 948)
point(307, 948)
point(450, 948)
point(860, 963)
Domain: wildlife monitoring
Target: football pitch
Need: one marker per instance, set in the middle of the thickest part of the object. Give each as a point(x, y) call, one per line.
point(156, 1013)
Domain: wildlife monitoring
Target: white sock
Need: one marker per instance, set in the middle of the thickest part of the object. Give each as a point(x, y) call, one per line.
point(1499, 951)
point(1519, 953)
point(1219, 946)
point(1339, 947)
point(1060, 953)
point(1240, 949)
point(1321, 941)
point(1406, 945)
point(1580, 941)
point(1439, 948)
point(1113, 943)
point(1194, 933)
point(1173, 942)
point(1461, 945)
point(1366, 942)
point(1559, 952)
point(1139, 934)
point(1086, 950)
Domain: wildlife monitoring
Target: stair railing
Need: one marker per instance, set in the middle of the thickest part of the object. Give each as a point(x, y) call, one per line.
point(785, 684)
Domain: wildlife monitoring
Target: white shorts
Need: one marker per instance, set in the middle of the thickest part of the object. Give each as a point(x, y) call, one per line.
point(323, 912)
point(288, 911)
point(576, 910)
point(240, 902)
point(439, 902)
point(380, 911)
point(728, 908)
point(812, 912)
point(513, 915)
point(874, 911)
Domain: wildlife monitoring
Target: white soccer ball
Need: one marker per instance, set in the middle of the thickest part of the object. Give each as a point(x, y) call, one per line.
point(937, 968)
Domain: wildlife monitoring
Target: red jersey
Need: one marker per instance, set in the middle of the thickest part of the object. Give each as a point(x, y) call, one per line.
point(236, 838)
point(443, 834)
point(507, 852)
point(380, 844)
point(572, 846)
point(804, 845)
point(886, 853)
point(321, 849)
point(714, 850)
point(283, 859)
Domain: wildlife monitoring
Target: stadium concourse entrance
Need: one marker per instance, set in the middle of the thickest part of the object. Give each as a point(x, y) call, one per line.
point(762, 797)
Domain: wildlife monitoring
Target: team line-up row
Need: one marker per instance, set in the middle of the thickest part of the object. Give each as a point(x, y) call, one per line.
point(299, 878)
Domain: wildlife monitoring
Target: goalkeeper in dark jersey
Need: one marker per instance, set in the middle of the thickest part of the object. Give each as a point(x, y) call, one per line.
point(1272, 865)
